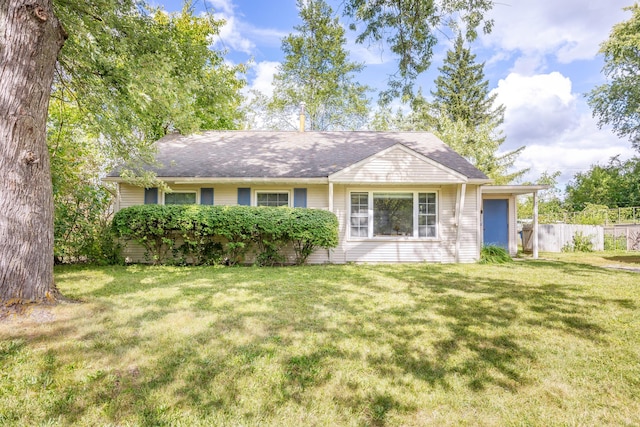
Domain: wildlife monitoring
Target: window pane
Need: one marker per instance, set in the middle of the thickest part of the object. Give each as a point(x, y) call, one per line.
point(272, 199)
point(180, 198)
point(392, 214)
point(359, 214)
point(427, 215)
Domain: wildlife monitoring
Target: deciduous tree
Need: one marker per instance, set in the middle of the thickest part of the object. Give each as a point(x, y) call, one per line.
point(617, 102)
point(616, 185)
point(411, 30)
point(317, 71)
point(133, 72)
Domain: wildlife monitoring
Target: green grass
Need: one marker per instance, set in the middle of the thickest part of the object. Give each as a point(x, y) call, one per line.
point(549, 342)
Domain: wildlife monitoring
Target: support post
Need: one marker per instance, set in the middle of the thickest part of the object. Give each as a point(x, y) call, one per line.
point(535, 225)
point(331, 197)
point(462, 190)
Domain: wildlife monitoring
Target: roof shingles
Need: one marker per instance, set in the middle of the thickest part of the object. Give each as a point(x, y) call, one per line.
point(265, 154)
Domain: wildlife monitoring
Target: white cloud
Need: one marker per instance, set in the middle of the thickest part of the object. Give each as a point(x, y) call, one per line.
point(263, 80)
point(222, 6)
point(540, 106)
point(231, 37)
point(569, 30)
point(543, 114)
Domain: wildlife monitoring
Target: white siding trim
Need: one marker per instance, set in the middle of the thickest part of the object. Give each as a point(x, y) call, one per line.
point(461, 196)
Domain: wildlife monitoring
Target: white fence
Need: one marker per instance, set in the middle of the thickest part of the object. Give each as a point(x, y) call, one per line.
point(622, 237)
point(554, 237)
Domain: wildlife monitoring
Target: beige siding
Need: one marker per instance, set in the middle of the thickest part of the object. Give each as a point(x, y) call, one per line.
point(441, 249)
point(397, 166)
point(130, 195)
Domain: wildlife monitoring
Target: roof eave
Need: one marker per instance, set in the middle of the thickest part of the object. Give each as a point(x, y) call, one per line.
point(230, 180)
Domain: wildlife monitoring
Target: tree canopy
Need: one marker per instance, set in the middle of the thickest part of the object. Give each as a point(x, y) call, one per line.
point(462, 92)
point(411, 30)
point(615, 185)
point(113, 96)
point(317, 71)
point(138, 73)
point(464, 115)
point(617, 102)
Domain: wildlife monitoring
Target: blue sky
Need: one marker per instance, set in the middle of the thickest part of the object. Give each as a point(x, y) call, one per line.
point(541, 58)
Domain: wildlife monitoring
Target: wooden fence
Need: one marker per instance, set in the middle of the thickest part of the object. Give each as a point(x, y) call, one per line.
point(555, 237)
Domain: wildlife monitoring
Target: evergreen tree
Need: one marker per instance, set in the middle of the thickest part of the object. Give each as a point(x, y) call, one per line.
point(462, 92)
point(317, 71)
point(463, 114)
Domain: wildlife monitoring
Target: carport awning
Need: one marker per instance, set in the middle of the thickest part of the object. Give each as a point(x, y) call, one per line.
point(515, 190)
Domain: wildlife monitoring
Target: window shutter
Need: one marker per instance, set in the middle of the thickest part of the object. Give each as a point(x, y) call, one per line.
point(299, 197)
point(244, 196)
point(150, 196)
point(206, 196)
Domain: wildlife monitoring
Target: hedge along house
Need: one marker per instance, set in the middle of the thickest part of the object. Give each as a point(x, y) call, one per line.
point(398, 196)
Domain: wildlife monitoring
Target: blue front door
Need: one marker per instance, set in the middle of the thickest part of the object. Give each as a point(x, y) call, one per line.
point(496, 222)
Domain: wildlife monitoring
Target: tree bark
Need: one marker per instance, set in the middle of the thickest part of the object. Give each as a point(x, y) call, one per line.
point(30, 39)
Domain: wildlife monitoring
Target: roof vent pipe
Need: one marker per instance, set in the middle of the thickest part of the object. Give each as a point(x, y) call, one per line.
point(302, 104)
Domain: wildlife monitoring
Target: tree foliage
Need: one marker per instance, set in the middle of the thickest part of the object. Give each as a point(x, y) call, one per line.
point(480, 145)
point(317, 71)
point(617, 102)
point(615, 185)
point(550, 204)
point(462, 92)
point(411, 30)
point(464, 115)
point(138, 73)
point(127, 76)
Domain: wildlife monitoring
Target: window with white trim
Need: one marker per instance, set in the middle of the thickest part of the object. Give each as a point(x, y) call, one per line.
point(180, 198)
point(393, 214)
point(272, 198)
point(359, 214)
point(427, 215)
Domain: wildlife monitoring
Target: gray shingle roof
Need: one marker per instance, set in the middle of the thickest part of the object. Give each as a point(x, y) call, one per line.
point(265, 154)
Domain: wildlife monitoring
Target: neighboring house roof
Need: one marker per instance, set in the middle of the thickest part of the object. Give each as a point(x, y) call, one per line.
point(266, 154)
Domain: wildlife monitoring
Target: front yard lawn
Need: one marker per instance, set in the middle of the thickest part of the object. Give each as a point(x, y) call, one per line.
point(548, 342)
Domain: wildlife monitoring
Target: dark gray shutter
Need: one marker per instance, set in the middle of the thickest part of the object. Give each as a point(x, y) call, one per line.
point(244, 196)
point(206, 196)
point(299, 197)
point(150, 196)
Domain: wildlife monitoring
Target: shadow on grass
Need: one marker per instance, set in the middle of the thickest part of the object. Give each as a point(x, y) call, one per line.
point(283, 338)
point(627, 259)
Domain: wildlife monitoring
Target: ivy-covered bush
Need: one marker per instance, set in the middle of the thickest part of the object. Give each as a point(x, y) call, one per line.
point(193, 234)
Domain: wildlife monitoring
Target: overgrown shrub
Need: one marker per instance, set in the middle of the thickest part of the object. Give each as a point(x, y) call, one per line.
point(82, 227)
point(579, 243)
point(492, 254)
point(193, 234)
point(615, 243)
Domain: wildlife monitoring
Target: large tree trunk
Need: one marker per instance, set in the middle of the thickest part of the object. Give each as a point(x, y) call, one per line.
point(30, 39)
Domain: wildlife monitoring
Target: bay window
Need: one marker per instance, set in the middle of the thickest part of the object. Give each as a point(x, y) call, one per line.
point(393, 214)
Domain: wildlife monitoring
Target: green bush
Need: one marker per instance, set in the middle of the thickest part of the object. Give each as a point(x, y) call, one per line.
point(615, 243)
point(579, 243)
point(193, 234)
point(492, 254)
